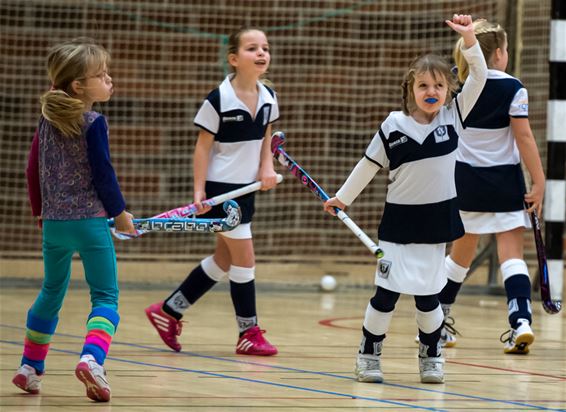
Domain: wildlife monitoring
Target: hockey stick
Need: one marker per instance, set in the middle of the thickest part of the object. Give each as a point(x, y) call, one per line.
point(277, 142)
point(177, 224)
point(549, 305)
point(191, 209)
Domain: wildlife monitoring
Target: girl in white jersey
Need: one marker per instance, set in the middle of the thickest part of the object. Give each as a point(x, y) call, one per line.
point(232, 150)
point(491, 188)
point(418, 145)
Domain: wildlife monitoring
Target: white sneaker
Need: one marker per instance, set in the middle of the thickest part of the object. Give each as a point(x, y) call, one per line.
point(27, 379)
point(93, 376)
point(368, 368)
point(518, 340)
point(432, 369)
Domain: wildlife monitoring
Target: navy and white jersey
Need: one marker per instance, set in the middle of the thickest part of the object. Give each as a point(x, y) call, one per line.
point(488, 170)
point(421, 205)
point(238, 134)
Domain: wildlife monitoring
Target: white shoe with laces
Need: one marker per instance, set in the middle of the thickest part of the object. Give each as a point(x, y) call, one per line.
point(368, 368)
point(27, 379)
point(93, 375)
point(432, 369)
point(519, 339)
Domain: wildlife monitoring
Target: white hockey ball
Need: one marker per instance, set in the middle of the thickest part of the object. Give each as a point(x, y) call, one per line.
point(328, 283)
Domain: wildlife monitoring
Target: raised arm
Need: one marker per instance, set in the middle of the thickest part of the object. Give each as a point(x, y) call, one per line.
point(471, 50)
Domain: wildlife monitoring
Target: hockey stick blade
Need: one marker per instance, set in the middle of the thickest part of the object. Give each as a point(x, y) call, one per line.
point(176, 224)
point(277, 142)
point(549, 305)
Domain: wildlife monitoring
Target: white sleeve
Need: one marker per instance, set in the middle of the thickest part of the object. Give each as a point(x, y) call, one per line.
point(475, 82)
point(207, 118)
point(359, 178)
point(376, 149)
point(520, 104)
point(274, 110)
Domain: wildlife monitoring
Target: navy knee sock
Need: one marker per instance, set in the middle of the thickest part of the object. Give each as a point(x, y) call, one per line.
point(518, 288)
point(192, 288)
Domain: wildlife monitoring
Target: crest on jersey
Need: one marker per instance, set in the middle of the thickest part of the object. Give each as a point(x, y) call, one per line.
point(441, 134)
point(383, 268)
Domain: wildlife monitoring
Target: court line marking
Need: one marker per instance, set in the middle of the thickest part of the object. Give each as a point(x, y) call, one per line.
point(193, 354)
point(329, 323)
point(239, 378)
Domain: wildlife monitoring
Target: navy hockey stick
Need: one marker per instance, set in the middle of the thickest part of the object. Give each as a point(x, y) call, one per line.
point(549, 305)
point(176, 224)
point(277, 142)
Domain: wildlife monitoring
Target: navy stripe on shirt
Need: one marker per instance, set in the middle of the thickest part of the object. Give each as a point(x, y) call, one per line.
point(492, 108)
point(490, 189)
point(440, 142)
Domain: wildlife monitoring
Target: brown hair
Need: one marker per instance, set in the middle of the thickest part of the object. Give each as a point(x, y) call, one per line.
point(436, 66)
point(491, 36)
point(234, 45)
point(67, 62)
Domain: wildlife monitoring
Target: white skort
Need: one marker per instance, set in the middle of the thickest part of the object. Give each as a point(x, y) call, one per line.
point(412, 269)
point(481, 223)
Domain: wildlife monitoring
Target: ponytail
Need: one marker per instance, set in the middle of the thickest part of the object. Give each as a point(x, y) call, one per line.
point(490, 36)
point(67, 62)
point(63, 111)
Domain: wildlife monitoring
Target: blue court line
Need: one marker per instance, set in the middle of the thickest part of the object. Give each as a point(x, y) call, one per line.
point(304, 371)
point(239, 378)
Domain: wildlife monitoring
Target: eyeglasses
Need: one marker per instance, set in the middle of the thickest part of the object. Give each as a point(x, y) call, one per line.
point(102, 76)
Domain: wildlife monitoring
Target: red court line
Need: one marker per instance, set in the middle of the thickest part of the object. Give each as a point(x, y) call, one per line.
point(331, 323)
point(562, 378)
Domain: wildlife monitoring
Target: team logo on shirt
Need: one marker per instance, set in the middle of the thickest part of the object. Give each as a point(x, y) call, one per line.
point(441, 134)
point(401, 140)
point(238, 118)
point(383, 268)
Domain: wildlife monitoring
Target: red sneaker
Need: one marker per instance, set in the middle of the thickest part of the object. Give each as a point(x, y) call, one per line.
point(167, 326)
point(252, 342)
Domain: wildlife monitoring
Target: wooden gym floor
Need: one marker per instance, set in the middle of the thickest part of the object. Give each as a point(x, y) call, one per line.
point(317, 335)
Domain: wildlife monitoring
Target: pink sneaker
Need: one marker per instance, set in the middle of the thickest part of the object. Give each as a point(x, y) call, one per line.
point(27, 379)
point(167, 326)
point(252, 342)
point(93, 375)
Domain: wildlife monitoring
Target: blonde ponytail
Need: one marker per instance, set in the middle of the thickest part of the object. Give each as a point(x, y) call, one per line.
point(67, 62)
point(490, 36)
point(63, 111)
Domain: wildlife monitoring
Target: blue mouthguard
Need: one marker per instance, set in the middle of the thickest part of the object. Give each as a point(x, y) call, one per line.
point(431, 100)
